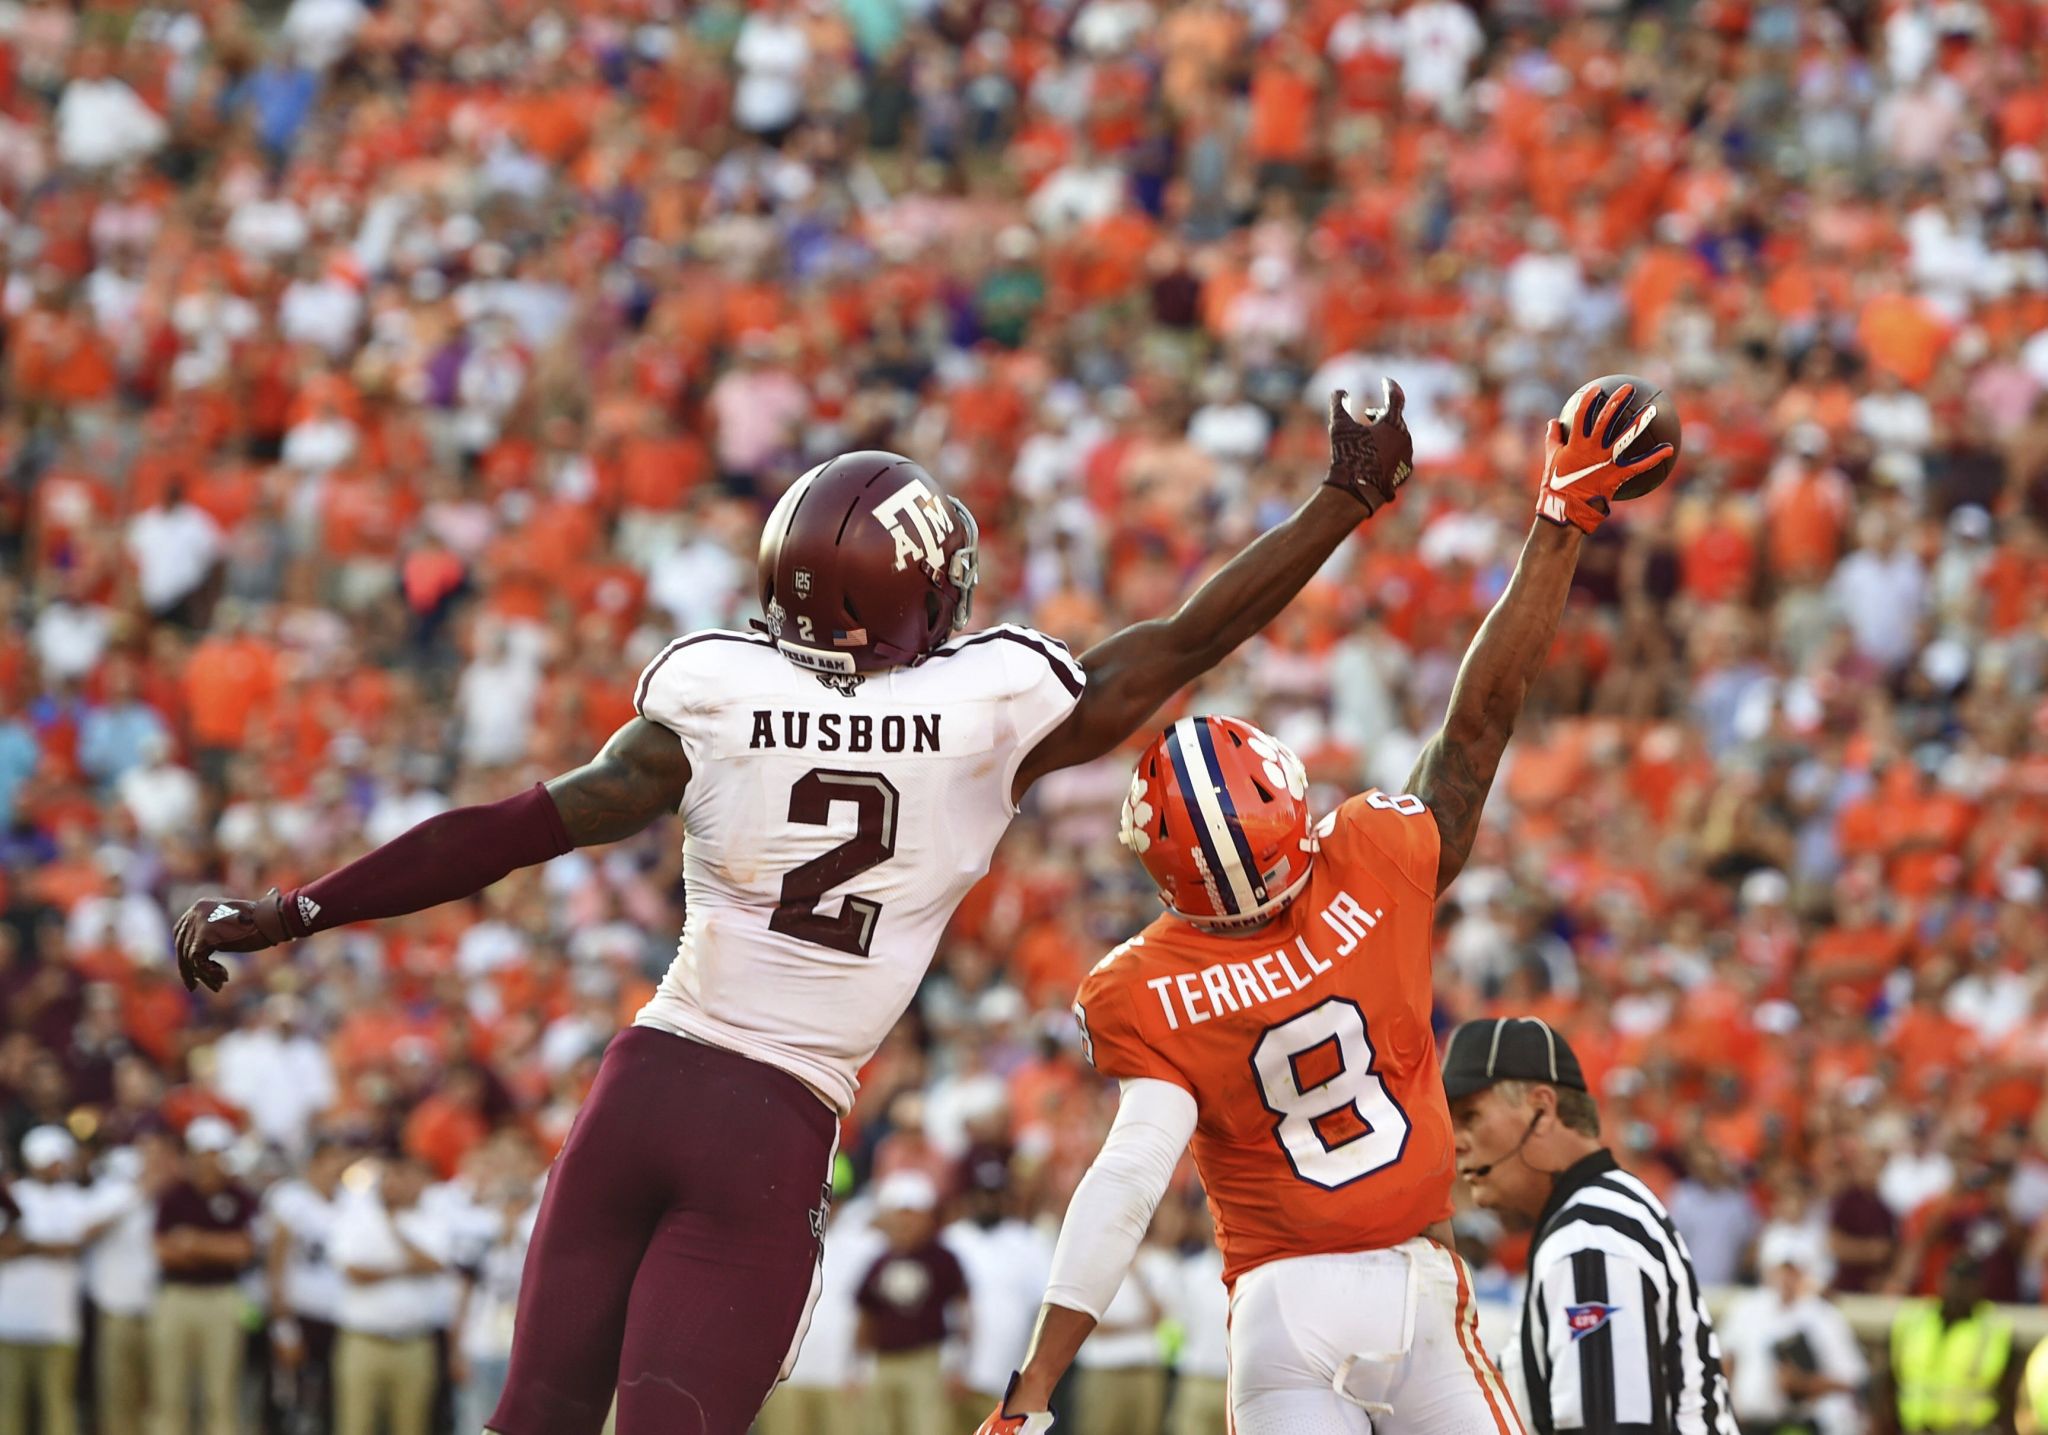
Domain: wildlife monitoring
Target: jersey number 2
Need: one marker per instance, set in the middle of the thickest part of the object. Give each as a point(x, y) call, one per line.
point(852, 928)
point(1337, 1122)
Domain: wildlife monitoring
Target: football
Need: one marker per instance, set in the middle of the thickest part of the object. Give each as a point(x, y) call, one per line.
point(1663, 428)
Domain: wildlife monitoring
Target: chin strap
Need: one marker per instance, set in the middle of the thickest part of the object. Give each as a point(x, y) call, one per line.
point(1258, 917)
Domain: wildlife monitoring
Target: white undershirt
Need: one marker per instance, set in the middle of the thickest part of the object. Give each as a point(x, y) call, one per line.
point(1112, 1207)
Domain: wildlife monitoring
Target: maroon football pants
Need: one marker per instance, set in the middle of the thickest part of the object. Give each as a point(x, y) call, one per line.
point(676, 1247)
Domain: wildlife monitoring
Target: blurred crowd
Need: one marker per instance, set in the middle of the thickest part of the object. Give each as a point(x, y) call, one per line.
point(384, 383)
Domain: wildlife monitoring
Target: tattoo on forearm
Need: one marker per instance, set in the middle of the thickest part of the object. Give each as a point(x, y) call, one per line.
point(639, 777)
point(1455, 791)
point(598, 800)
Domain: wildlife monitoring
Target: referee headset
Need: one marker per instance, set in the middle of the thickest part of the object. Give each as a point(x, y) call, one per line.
point(1535, 1118)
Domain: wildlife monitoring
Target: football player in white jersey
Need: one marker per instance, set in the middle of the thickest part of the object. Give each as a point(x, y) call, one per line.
point(844, 776)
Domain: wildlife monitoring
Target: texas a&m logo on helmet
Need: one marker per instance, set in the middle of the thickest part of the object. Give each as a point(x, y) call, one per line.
point(917, 518)
point(1218, 814)
point(866, 564)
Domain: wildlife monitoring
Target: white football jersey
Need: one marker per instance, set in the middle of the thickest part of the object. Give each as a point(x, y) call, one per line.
point(832, 826)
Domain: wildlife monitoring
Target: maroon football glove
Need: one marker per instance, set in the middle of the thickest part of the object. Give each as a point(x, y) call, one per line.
point(226, 924)
point(1370, 460)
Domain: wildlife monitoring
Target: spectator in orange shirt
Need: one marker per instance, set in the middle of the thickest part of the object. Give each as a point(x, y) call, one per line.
point(1286, 88)
point(1855, 955)
point(229, 679)
point(1807, 499)
point(448, 1125)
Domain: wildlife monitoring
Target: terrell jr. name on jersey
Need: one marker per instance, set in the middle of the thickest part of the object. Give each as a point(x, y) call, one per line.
point(1322, 1125)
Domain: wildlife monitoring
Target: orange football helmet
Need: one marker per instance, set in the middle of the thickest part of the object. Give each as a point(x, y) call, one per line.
point(1218, 813)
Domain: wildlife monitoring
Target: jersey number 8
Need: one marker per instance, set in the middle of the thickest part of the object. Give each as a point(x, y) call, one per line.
point(1337, 1123)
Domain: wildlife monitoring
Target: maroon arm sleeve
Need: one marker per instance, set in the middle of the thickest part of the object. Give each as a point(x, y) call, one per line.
point(455, 854)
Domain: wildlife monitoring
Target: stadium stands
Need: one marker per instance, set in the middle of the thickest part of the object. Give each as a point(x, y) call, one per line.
point(384, 384)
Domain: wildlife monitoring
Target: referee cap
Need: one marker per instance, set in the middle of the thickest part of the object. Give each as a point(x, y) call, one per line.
point(1515, 1048)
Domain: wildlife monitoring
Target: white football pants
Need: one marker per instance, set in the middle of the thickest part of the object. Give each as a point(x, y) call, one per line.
point(1365, 1343)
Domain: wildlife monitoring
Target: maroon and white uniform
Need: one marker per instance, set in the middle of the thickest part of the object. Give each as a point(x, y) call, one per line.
point(833, 822)
point(831, 834)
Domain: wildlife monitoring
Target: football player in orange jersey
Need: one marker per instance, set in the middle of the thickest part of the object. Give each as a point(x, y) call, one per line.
point(1278, 1016)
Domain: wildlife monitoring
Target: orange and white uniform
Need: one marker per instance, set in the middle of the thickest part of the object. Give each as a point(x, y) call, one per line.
point(1298, 1061)
point(1306, 1044)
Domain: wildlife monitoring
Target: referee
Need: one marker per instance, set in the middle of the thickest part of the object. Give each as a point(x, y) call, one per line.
point(1615, 1335)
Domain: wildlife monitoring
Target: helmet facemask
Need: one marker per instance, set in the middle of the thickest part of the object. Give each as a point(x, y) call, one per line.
point(963, 570)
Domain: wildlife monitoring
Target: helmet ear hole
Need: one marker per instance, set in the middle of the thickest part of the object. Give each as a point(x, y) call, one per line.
point(931, 610)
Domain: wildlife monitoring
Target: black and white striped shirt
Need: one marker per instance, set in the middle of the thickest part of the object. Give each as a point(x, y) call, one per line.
point(1615, 1332)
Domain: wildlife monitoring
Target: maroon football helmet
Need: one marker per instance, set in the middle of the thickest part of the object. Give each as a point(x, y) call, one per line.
point(865, 564)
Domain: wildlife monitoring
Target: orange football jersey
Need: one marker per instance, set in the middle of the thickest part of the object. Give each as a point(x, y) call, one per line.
point(1306, 1043)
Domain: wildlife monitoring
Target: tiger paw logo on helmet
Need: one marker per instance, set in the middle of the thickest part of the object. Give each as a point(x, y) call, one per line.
point(1218, 814)
point(1283, 768)
point(1137, 818)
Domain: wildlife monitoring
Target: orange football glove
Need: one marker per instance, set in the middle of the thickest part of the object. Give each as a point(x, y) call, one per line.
point(1001, 1423)
point(1580, 470)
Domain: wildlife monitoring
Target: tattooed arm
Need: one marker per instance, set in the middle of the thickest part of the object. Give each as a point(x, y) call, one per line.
point(1456, 769)
point(1583, 472)
point(639, 775)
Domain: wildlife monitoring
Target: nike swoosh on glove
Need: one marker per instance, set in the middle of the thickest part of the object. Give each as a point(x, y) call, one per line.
point(1580, 470)
point(225, 924)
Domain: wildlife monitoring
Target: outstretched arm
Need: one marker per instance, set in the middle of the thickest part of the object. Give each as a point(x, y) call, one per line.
point(1580, 475)
point(638, 776)
point(1132, 672)
point(1105, 1222)
point(1456, 769)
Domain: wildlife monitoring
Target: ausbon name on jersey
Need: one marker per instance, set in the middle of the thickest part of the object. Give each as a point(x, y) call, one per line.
point(832, 826)
point(1306, 1043)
